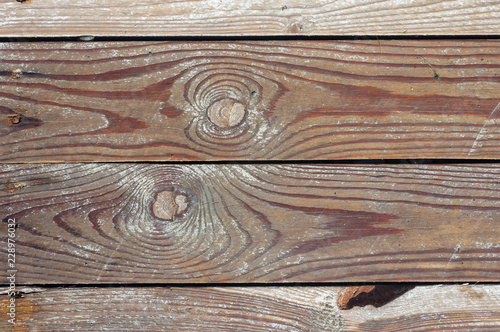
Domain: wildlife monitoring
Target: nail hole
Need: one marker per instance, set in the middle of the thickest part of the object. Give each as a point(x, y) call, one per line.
point(14, 119)
point(18, 73)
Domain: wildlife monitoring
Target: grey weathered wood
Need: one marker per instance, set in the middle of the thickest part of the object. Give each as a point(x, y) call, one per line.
point(149, 223)
point(424, 308)
point(38, 18)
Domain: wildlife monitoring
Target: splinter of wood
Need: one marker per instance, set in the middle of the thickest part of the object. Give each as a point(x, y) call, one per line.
point(377, 296)
point(14, 119)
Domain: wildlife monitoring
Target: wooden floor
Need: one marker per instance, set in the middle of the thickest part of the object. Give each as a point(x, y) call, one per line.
point(250, 166)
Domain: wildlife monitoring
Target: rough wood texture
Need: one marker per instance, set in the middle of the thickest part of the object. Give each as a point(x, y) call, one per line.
point(145, 223)
point(313, 309)
point(38, 18)
point(249, 100)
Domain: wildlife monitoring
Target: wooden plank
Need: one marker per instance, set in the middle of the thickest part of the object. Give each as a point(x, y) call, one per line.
point(300, 100)
point(149, 223)
point(27, 18)
point(424, 308)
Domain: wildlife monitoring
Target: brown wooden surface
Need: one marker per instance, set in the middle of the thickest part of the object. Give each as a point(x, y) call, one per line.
point(313, 309)
point(147, 223)
point(298, 100)
point(128, 223)
point(39, 18)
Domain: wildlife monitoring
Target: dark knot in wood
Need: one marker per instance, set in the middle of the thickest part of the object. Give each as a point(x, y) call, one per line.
point(14, 119)
point(226, 113)
point(168, 204)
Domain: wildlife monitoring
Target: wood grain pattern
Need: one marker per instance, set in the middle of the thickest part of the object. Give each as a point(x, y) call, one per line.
point(257, 17)
point(249, 100)
point(312, 309)
point(147, 223)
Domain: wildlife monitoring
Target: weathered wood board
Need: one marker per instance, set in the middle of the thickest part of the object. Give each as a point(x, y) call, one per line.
point(54, 18)
point(314, 309)
point(272, 100)
point(98, 226)
point(150, 223)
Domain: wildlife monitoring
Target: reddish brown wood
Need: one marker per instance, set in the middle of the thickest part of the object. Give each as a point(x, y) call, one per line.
point(270, 100)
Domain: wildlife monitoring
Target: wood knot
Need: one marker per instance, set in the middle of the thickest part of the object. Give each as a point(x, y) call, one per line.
point(226, 113)
point(300, 25)
point(296, 28)
point(170, 204)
